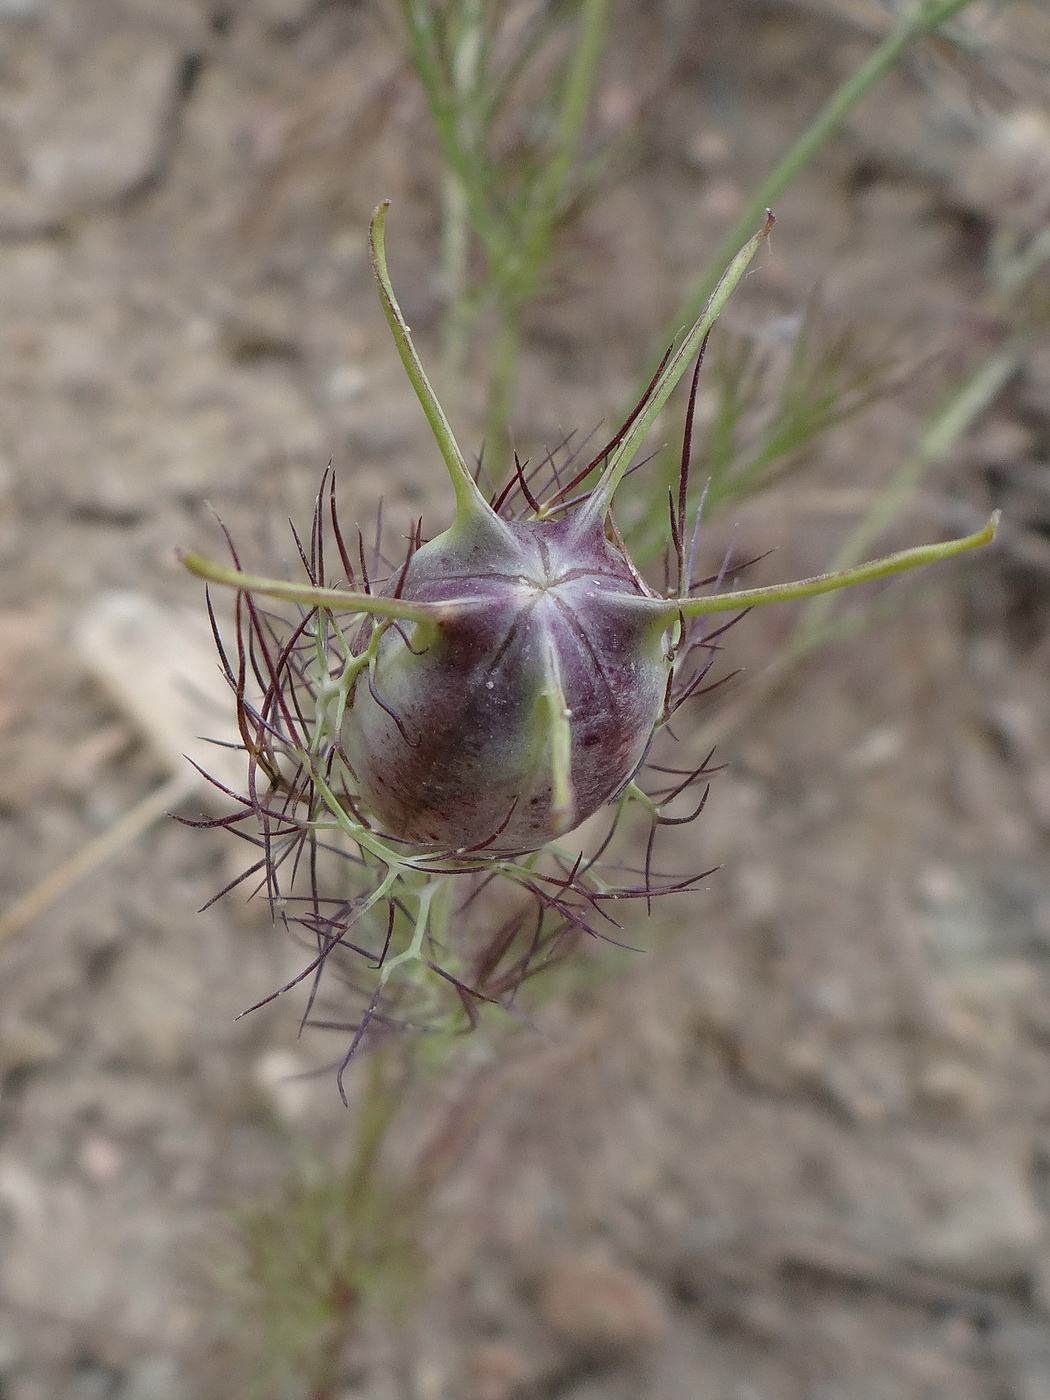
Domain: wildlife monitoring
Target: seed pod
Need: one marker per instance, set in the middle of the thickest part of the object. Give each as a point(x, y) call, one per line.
point(531, 702)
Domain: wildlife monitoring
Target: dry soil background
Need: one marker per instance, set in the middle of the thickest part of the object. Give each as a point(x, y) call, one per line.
point(801, 1151)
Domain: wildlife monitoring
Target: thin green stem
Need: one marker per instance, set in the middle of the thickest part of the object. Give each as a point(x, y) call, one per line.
point(468, 162)
point(549, 195)
point(926, 16)
point(620, 460)
point(518, 277)
point(469, 500)
point(465, 70)
point(455, 246)
point(939, 437)
point(414, 951)
point(505, 354)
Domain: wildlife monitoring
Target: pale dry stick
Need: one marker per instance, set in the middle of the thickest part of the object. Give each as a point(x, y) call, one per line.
point(123, 831)
point(158, 665)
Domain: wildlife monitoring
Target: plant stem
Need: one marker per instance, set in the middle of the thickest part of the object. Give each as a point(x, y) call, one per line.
point(923, 19)
point(505, 353)
point(455, 219)
point(549, 196)
point(518, 278)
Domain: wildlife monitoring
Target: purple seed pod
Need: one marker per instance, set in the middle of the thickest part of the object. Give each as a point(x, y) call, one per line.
point(528, 706)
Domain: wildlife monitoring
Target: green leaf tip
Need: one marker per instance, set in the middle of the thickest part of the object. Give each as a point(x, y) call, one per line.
point(332, 599)
point(471, 505)
point(664, 384)
point(897, 563)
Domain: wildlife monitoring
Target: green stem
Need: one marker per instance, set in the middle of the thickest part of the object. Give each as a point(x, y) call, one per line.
point(414, 951)
point(927, 16)
point(454, 257)
point(421, 29)
point(505, 352)
point(455, 220)
point(549, 195)
point(519, 276)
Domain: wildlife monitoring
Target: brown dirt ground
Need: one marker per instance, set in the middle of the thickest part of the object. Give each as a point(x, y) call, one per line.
point(800, 1150)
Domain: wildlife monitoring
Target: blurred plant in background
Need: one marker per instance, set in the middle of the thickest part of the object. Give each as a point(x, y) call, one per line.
point(508, 184)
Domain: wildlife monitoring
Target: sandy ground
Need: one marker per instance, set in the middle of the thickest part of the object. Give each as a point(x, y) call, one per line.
point(800, 1148)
